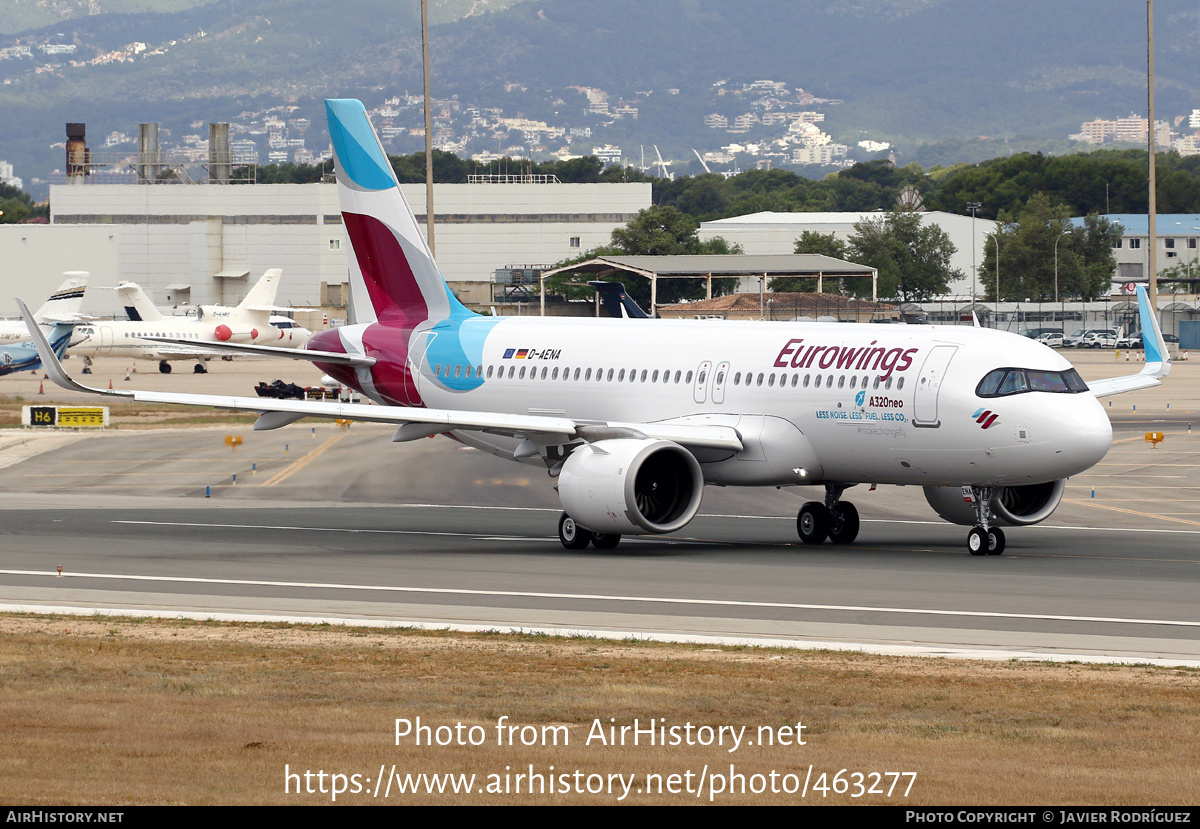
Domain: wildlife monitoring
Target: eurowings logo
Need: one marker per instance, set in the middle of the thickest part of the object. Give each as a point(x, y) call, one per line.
point(985, 418)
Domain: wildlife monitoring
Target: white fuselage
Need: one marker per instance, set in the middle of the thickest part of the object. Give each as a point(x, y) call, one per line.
point(128, 339)
point(813, 402)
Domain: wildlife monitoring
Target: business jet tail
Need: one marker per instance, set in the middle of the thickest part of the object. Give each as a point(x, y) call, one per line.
point(393, 278)
point(63, 305)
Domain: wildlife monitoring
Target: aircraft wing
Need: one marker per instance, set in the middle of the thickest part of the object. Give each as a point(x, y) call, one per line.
point(274, 351)
point(413, 422)
point(1158, 357)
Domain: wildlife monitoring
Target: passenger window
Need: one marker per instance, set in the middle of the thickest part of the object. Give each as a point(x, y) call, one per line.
point(688, 379)
point(806, 379)
point(554, 374)
point(577, 375)
point(491, 369)
point(737, 379)
point(522, 374)
point(842, 382)
point(610, 375)
point(770, 380)
point(654, 377)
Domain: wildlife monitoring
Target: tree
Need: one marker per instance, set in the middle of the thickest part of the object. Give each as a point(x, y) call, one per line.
point(826, 244)
point(1180, 270)
point(1027, 254)
point(913, 259)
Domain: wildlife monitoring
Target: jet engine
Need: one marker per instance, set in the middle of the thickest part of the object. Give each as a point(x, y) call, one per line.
point(1012, 505)
point(631, 486)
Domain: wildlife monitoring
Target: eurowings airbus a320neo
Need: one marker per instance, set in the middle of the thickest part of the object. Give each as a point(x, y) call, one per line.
point(632, 418)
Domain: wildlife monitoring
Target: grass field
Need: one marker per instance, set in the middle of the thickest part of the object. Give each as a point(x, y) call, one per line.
point(109, 711)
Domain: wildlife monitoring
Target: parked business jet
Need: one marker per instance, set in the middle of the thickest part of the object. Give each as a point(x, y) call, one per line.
point(24, 356)
point(62, 306)
point(634, 418)
point(162, 338)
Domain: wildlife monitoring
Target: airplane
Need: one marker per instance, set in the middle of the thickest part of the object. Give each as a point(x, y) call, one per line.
point(62, 306)
point(140, 308)
point(634, 419)
point(162, 338)
point(24, 355)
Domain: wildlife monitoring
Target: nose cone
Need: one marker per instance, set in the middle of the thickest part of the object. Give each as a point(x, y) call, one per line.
point(1087, 433)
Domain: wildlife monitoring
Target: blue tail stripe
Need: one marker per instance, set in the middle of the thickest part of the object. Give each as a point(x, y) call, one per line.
point(356, 147)
point(1149, 328)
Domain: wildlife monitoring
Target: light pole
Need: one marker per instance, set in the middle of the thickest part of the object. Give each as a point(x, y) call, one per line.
point(973, 206)
point(1056, 241)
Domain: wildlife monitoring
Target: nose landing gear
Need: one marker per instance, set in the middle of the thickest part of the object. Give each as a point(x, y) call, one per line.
point(983, 540)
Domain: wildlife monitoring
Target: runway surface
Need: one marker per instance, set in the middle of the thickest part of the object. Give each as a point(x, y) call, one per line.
point(327, 524)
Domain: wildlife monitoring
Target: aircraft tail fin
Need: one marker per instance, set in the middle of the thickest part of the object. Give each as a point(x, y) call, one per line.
point(64, 304)
point(137, 305)
point(262, 295)
point(393, 277)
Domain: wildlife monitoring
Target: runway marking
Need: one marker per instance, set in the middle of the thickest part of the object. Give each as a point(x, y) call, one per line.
point(546, 509)
point(288, 471)
point(1133, 512)
point(522, 594)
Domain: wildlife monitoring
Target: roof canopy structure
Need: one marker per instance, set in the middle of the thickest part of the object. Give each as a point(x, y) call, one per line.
point(810, 265)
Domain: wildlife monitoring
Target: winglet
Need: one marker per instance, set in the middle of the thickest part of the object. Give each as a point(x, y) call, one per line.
point(50, 360)
point(1158, 359)
point(1158, 356)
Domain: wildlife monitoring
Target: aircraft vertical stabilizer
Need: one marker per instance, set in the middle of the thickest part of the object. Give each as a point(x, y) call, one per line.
point(63, 305)
point(393, 278)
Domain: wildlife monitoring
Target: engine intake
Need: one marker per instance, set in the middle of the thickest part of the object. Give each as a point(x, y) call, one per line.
point(631, 486)
point(1012, 505)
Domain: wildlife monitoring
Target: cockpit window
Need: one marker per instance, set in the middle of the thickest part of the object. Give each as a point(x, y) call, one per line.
point(1003, 382)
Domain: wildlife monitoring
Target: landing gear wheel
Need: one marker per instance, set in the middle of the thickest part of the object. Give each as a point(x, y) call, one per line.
point(977, 541)
point(843, 527)
point(572, 536)
point(995, 541)
point(813, 522)
point(164, 367)
point(605, 541)
point(199, 369)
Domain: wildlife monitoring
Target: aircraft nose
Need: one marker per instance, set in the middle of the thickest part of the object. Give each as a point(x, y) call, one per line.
point(1088, 433)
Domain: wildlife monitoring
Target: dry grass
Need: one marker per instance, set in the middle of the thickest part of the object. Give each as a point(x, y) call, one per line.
point(105, 711)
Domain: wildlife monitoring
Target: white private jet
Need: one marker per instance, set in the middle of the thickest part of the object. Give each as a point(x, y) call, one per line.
point(154, 336)
point(633, 418)
point(62, 307)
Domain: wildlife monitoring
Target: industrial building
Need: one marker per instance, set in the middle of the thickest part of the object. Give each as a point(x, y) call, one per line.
point(191, 239)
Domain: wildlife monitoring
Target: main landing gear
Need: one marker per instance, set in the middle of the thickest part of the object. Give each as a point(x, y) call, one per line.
point(200, 368)
point(983, 540)
point(164, 367)
point(575, 537)
point(836, 520)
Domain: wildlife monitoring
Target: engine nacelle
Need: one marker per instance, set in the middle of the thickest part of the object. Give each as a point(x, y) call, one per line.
point(241, 334)
point(631, 486)
point(1012, 505)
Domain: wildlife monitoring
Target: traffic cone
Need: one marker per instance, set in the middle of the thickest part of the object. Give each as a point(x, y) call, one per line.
point(110, 388)
point(41, 388)
point(127, 376)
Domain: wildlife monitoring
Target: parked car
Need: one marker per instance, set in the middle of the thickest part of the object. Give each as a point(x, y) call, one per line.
point(1134, 340)
point(1099, 339)
point(1078, 337)
point(1054, 340)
